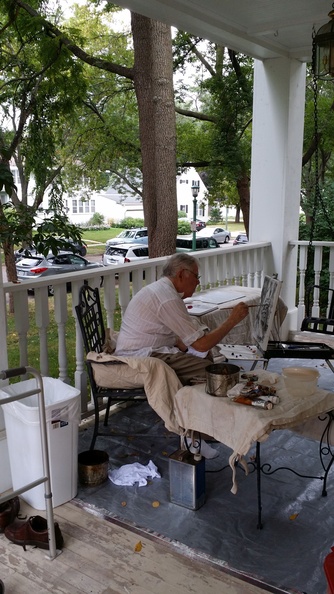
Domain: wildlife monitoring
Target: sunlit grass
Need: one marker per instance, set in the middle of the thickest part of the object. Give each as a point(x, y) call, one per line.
point(52, 338)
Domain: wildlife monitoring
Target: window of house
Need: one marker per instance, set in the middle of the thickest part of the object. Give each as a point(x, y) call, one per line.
point(87, 206)
point(184, 208)
point(74, 206)
point(81, 208)
point(92, 206)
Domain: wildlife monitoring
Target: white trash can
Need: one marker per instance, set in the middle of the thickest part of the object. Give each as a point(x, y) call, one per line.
point(62, 411)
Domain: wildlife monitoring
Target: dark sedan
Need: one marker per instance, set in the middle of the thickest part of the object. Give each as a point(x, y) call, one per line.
point(38, 266)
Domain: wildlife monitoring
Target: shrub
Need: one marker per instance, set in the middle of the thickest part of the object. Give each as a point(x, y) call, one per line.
point(96, 219)
point(131, 223)
point(183, 228)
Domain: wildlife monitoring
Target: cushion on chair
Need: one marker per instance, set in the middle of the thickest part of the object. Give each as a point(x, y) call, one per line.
point(158, 379)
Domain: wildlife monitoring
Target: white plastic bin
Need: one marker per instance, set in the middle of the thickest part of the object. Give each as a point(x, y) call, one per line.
point(62, 411)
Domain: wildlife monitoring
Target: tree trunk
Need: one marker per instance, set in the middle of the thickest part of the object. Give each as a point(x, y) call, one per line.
point(244, 195)
point(8, 251)
point(153, 80)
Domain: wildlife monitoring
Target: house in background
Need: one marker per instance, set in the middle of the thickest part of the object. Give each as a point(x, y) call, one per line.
point(115, 206)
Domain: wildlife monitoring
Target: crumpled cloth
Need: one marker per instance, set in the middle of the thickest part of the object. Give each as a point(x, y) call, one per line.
point(129, 474)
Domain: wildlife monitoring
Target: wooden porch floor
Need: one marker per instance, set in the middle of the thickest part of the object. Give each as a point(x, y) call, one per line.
point(99, 557)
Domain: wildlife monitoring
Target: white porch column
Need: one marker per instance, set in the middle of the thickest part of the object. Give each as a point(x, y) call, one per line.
point(278, 125)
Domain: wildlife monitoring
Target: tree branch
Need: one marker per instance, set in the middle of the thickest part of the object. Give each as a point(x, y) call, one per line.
point(74, 49)
point(195, 114)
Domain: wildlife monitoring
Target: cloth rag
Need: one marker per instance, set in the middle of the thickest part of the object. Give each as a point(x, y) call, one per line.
point(129, 474)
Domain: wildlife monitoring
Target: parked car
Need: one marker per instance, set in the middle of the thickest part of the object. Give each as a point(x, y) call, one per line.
point(199, 224)
point(79, 248)
point(128, 235)
point(119, 254)
point(241, 238)
point(184, 243)
point(220, 234)
point(39, 266)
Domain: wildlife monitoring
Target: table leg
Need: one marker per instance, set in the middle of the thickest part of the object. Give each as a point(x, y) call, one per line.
point(258, 484)
point(325, 450)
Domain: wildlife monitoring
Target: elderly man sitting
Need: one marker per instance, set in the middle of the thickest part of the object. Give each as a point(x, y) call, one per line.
point(157, 323)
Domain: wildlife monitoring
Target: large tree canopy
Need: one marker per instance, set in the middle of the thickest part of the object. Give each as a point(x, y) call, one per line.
point(153, 86)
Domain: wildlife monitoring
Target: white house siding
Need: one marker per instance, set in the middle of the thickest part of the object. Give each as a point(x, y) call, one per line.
point(115, 206)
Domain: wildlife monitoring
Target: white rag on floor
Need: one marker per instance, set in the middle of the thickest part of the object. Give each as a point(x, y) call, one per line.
point(129, 474)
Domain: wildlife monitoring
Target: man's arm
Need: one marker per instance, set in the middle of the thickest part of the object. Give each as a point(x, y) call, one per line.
point(181, 346)
point(209, 340)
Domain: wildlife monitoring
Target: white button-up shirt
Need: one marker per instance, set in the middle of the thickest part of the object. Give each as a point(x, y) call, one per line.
point(154, 319)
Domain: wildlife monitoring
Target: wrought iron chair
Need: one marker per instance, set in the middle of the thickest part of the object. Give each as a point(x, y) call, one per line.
point(89, 314)
point(321, 325)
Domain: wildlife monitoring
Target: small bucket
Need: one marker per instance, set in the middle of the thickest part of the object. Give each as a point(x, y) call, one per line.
point(93, 467)
point(220, 377)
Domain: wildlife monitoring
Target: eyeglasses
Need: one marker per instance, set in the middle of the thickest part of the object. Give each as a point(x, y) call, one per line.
point(198, 276)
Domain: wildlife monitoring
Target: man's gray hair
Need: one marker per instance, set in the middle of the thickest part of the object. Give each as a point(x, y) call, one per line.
point(178, 262)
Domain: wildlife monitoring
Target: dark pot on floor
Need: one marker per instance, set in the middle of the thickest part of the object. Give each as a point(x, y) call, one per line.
point(93, 467)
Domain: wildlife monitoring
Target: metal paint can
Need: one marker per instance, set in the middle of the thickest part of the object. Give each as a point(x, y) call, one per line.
point(220, 377)
point(187, 479)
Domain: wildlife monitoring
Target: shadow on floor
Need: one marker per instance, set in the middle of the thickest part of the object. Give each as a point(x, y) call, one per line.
point(298, 523)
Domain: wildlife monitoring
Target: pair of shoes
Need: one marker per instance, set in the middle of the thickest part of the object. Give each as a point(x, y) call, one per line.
point(8, 512)
point(33, 532)
point(203, 448)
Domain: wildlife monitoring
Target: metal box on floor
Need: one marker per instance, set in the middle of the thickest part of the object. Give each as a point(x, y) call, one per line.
point(186, 479)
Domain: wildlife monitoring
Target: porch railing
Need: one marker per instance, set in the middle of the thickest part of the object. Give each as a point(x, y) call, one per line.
point(315, 267)
point(243, 265)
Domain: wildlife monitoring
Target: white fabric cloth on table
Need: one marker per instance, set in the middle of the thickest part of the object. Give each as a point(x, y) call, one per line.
point(239, 426)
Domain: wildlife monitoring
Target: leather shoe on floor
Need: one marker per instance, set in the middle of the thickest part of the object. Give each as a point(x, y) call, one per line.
point(8, 512)
point(33, 532)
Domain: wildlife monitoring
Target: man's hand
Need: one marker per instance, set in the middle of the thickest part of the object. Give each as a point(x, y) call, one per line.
point(239, 312)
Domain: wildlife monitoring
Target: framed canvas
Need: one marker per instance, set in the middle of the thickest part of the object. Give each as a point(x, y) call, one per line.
point(266, 312)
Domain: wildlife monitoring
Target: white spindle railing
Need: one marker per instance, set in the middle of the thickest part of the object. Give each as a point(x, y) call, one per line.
point(314, 269)
point(244, 264)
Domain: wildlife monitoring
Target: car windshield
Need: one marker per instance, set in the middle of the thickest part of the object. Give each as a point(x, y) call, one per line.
point(125, 233)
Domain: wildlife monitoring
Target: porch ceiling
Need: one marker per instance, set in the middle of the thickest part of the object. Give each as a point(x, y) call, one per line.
point(259, 28)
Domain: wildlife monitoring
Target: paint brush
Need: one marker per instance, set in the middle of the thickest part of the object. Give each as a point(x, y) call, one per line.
point(253, 305)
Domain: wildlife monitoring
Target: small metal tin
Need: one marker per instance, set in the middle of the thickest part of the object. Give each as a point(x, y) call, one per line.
point(186, 479)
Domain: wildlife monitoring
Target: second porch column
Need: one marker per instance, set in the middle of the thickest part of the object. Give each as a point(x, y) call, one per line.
point(277, 145)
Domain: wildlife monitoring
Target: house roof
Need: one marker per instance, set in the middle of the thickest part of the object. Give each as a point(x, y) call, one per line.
point(259, 28)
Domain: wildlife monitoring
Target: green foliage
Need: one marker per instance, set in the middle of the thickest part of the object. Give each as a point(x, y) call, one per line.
point(96, 220)
point(131, 223)
point(215, 214)
point(181, 214)
point(220, 95)
point(6, 179)
point(52, 232)
point(15, 223)
point(183, 228)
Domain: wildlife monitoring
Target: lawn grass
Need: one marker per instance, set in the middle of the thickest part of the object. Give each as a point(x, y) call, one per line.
point(52, 333)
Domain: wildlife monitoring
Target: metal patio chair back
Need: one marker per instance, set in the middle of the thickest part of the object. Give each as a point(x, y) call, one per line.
point(90, 318)
point(321, 324)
